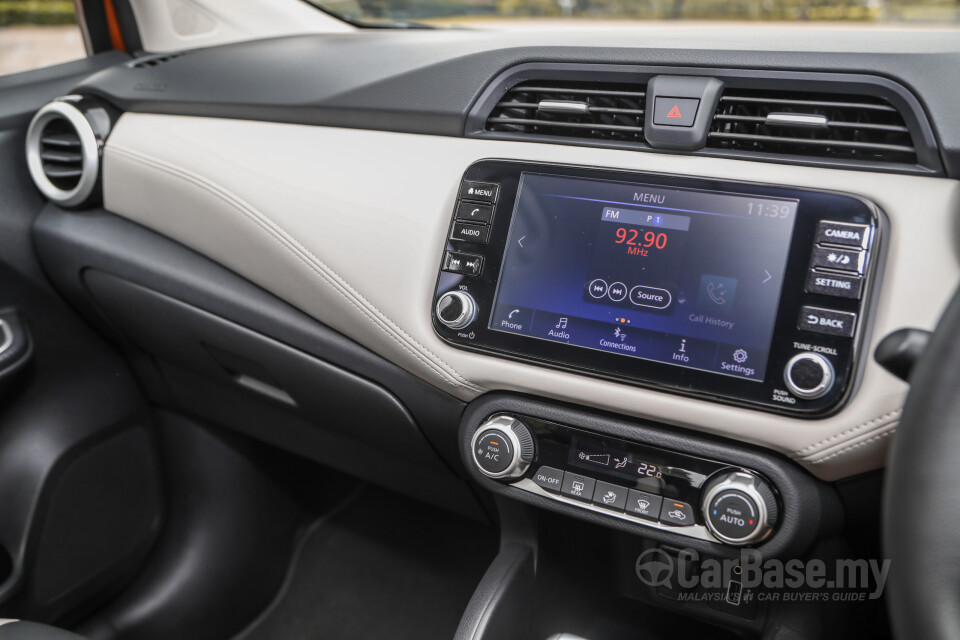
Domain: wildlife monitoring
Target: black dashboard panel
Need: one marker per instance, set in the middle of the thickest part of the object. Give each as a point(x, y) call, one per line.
point(427, 81)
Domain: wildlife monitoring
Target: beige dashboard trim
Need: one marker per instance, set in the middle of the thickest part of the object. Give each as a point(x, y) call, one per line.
point(349, 226)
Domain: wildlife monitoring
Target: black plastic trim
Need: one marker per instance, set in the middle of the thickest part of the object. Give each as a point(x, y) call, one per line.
point(929, 161)
point(810, 507)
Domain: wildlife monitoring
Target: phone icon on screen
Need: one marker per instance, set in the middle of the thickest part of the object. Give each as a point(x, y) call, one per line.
point(717, 293)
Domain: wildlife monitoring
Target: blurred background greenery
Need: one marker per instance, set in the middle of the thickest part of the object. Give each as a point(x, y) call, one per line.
point(38, 12)
point(878, 11)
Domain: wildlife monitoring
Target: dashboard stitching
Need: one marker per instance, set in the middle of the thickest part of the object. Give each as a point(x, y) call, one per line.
point(444, 370)
point(856, 445)
point(843, 434)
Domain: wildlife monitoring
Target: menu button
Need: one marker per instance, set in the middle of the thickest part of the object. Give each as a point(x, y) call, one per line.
point(479, 191)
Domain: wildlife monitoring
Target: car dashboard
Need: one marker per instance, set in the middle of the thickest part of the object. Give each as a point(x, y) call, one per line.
point(630, 277)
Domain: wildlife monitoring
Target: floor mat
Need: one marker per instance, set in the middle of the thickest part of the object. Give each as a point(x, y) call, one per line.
point(381, 566)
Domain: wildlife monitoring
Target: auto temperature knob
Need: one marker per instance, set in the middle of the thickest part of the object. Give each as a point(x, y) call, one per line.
point(503, 447)
point(739, 508)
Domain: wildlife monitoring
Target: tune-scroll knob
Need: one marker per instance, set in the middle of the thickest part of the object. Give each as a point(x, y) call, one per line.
point(739, 508)
point(809, 375)
point(503, 447)
point(456, 309)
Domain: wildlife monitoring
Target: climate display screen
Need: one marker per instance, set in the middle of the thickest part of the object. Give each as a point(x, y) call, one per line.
point(682, 276)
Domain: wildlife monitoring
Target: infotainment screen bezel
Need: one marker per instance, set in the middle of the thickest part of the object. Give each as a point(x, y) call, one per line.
point(788, 340)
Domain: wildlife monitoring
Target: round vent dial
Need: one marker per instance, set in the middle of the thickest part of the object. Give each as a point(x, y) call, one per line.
point(63, 149)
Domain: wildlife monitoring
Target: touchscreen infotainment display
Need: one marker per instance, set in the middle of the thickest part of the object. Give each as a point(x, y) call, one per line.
point(682, 276)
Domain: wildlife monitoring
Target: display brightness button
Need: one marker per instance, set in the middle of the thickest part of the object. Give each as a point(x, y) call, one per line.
point(839, 259)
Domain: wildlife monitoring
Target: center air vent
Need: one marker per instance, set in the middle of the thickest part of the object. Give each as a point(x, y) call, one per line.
point(63, 149)
point(847, 127)
point(600, 111)
point(155, 61)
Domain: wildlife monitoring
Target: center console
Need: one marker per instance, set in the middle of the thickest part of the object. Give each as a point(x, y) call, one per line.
point(682, 489)
point(742, 293)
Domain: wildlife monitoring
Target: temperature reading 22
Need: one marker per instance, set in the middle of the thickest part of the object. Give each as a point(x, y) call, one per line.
point(632, 238)
point(649, 470)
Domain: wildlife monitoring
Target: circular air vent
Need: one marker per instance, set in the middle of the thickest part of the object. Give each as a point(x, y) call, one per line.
point(63, 152)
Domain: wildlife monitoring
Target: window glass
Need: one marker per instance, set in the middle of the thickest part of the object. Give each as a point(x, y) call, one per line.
point(38, 33)
point(498, 13)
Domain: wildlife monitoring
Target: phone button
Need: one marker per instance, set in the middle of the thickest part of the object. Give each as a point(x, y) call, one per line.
point(475, 212)
point(512, 319)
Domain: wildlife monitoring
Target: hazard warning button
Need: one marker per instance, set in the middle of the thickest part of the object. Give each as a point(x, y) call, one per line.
point(675, 112)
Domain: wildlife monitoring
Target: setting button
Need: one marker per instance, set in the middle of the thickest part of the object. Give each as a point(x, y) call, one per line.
point(610, 496)
point(549, 478)
point(644, 505)
point(577, 486)
point(479, 191)
point(839, 259)
point(475, 233)
point(475, 212)
point(843, 233)
point(827, 321)
point(830, 284)
point(677, 513)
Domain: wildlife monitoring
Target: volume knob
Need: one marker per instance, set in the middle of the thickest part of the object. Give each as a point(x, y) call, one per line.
point(456, 309)
point(503, 447)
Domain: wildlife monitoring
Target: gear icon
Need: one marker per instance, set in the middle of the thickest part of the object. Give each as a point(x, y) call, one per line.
point(740, 356)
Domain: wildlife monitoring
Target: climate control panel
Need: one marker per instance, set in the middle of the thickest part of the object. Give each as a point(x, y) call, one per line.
point(658, 488)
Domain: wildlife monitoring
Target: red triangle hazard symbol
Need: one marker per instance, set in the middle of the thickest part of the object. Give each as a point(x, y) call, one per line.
point(675, 112)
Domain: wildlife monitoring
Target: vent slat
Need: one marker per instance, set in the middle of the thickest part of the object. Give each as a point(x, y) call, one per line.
point(607, 111)
point(851, 127)
point(577, 90)
point(61, 156)
point(825, 104)
point(70, 139)
point(60, 173)
point(840, 125)
point(535, 105)
point(815, 142)
point(571, 125)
